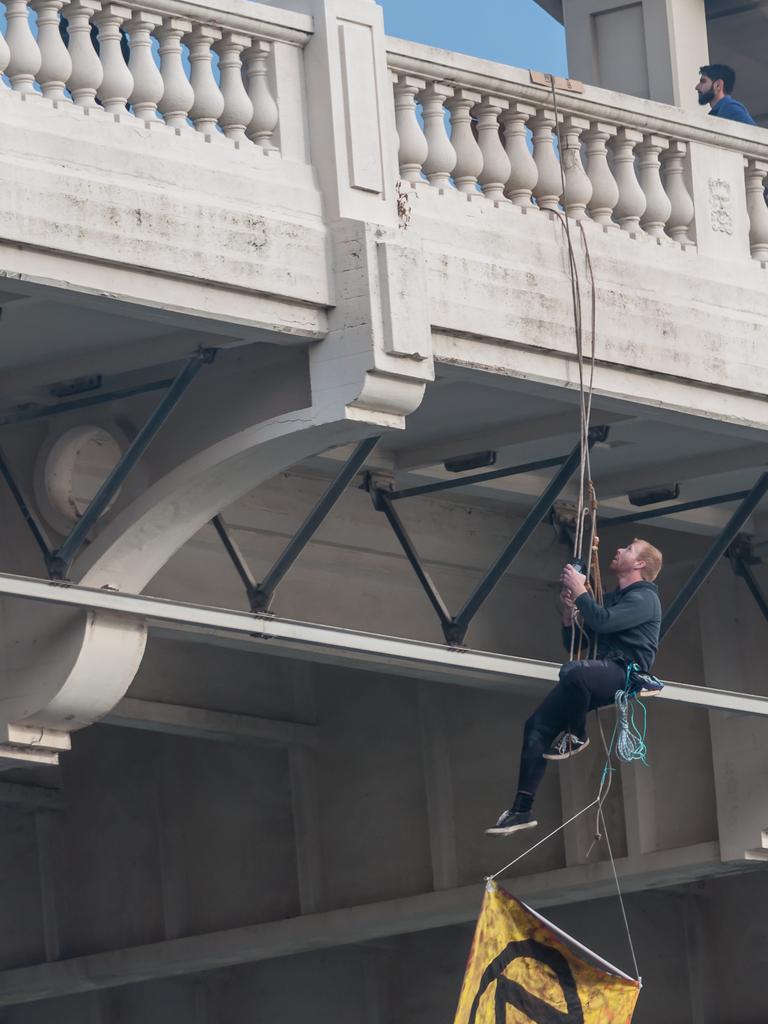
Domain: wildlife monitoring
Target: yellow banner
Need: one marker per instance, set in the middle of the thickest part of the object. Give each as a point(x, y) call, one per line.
point(523, 969)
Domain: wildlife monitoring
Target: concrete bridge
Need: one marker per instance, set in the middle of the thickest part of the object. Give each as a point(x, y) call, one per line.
point(246, 775)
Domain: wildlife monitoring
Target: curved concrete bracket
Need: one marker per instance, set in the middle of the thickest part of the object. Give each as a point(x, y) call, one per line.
point(67, 670)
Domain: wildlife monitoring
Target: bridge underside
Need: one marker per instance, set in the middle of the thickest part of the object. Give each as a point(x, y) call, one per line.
point(273, 805)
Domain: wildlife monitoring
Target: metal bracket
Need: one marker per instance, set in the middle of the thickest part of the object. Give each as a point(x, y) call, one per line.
point(58, 561)
point(742, 558)
point(562, 519)
point(260, 595)
point(455, 627)
point(721, 544)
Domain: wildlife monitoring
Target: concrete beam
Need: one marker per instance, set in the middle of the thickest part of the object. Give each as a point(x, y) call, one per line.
point(48, 842)
point(305, 802)
point(334, 646)
point(438, 786)
point(202, 723)
point(312, 932)
point(695, 467)
point(33, 798)
point(563, 425)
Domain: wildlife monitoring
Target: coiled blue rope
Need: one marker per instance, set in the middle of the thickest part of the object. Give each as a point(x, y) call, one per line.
point(630, 740)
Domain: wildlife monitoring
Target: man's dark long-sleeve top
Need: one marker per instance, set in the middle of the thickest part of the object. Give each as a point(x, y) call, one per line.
point(626, 626)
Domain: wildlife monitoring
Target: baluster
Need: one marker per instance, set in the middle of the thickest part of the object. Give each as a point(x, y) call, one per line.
point(209, 101)
point(496, 165)
point(178, 95)
point(25, 53)
point(681, 215)
point(605, 191)
point(631, 205)
point(441, 156)
point(550, 182)
point(523, 173)
point(657, 204)
point(469, 158)
point(87, 72)
point(5, 56)
point(238, 109)
point(147, 80)
point(265, 112)
point(413, 148)
point(756, 171)
point(117, 81)
point(578, 187)
point(55, 64)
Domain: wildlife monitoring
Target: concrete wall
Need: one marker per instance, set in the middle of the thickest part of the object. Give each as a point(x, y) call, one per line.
point(651, 48)
point(165, 836)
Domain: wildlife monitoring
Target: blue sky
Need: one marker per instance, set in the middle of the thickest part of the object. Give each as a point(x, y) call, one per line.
point(514, 32)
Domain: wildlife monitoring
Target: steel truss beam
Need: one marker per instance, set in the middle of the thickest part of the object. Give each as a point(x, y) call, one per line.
point(670, 510)
point(455, 626)
point(58, 561)
point(43, 412)
point(260, 595)
point(477, 478)
point(742, 558)
point(716, 551)
point(203, 723)
point(344, 647)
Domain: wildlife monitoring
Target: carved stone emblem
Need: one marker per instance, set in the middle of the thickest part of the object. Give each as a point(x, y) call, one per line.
point(720, 205)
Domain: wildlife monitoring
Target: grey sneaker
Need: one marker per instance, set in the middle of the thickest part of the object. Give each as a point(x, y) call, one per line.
point(566, 747)
point(512, 821)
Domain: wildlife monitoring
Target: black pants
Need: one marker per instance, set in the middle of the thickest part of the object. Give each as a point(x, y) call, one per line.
point(583, 686)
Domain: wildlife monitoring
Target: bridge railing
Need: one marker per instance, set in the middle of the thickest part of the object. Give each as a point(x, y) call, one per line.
point(236, 73)
point(184, 65)
point(485, 129)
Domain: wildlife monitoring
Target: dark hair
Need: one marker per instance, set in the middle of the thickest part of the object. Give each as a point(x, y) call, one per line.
point(720, 71)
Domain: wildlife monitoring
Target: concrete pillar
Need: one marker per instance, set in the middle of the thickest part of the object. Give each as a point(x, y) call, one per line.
point(648, 48)
point(735, 648)
point(350, 108)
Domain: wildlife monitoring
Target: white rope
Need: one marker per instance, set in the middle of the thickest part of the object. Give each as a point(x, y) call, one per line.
point(621, 900)
point(491, 878)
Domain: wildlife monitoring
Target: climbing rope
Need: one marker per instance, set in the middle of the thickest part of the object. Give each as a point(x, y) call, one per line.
point(586, 502)
point(630, 740)
point(627, 740)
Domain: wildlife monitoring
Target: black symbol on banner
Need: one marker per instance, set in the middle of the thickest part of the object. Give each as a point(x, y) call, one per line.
point(510, 993)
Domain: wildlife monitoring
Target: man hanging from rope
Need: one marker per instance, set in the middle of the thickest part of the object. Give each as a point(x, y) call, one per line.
point(625, 630)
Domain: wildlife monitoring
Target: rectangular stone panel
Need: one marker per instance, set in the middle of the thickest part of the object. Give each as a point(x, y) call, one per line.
point(620, 51)
point(403, 288)
point(361, 107)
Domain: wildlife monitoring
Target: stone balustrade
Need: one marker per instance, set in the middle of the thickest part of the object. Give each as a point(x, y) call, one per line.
point(173, 65)
point(481, 129)
point(492, 131)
